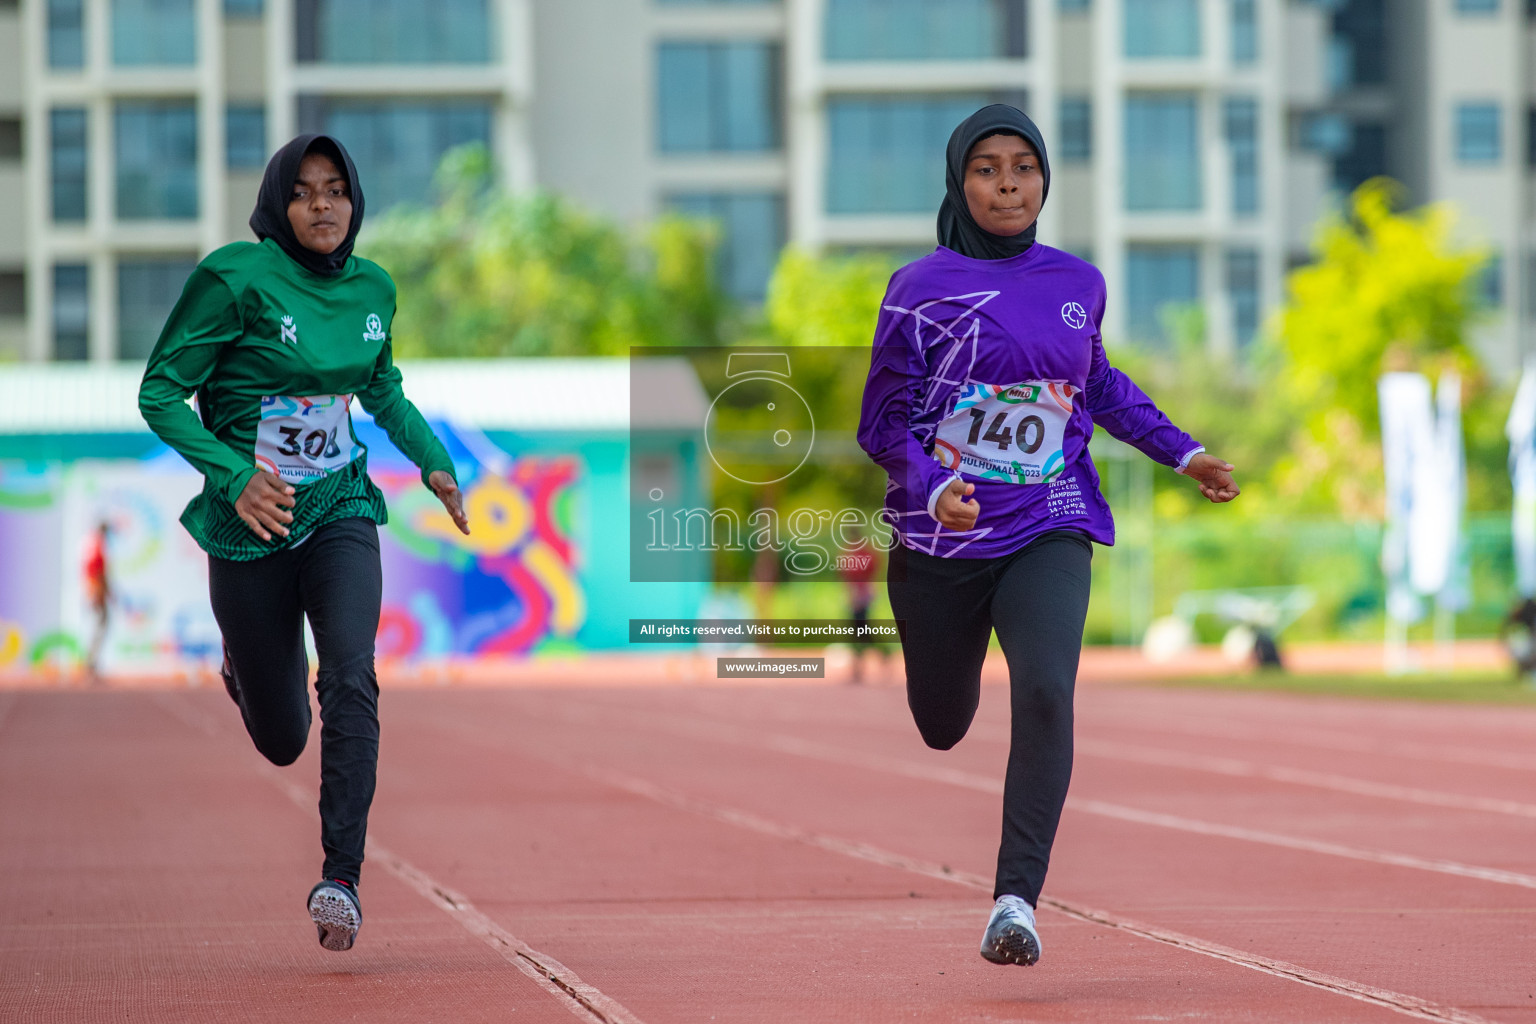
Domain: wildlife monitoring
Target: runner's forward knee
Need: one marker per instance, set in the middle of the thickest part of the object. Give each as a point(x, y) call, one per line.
point(283, 746)
point(941, 724)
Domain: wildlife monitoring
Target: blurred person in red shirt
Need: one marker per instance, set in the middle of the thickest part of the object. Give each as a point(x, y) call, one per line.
point(98, 591)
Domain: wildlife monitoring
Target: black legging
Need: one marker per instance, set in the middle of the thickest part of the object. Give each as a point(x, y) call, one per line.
point(334, 578)
point(1036, 598)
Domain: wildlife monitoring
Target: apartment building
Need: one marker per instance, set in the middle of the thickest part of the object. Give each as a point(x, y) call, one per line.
point(1194, 142)
point(145, 125)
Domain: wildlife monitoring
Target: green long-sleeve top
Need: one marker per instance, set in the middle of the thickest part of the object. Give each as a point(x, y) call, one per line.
point(274, 354)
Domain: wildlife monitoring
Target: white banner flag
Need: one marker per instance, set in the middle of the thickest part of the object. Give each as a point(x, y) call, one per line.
point(1521, 431)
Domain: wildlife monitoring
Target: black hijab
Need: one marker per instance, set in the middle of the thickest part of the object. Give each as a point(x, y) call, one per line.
point(958, 230)
point(270, 218)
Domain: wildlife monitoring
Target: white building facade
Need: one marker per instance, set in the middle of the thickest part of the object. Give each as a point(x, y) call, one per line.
point(1193, 143)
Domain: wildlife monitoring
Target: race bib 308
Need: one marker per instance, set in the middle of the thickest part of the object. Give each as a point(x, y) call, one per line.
point(1008, 432)
point(304, 439)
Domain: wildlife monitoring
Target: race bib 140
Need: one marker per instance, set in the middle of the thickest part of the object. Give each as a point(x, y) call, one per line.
point(304, 439)
point(1009, 432)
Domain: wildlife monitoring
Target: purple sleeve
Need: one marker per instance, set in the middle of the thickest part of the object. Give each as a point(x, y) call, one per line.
point(896, 376)
point(1123, 409)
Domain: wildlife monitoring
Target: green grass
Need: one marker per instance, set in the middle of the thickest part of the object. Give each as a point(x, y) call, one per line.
point(1472, 687)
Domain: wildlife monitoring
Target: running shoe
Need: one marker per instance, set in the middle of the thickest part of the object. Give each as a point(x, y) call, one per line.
point(1011, 937)
point(337, 914)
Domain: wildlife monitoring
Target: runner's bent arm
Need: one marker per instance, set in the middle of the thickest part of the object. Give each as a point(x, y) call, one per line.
point(1123, 409)
point(206, 318)
point(896, 377)
point(385, 401)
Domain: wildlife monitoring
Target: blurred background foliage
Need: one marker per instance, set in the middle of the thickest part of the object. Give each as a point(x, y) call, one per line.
point(484, 273)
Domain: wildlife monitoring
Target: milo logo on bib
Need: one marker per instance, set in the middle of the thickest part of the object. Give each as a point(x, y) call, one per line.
point(304, 439)
point(1007, 432)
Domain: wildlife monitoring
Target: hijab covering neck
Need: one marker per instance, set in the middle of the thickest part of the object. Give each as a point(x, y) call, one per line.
point(958, 230)
point(270, 218)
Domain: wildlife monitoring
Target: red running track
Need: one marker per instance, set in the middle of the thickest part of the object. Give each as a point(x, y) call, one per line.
point(776, 854)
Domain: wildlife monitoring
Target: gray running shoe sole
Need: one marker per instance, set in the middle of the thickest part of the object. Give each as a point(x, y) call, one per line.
point(336, 917)
point(1012, 945)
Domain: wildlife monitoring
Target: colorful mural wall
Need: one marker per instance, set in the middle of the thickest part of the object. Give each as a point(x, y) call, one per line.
point(160, 618)
point(512, 585)
point(543, 570)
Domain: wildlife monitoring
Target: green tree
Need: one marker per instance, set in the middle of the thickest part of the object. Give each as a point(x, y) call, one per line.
point(484, 272)
point(1389, 290)
point(822, 309)
point(826, 300)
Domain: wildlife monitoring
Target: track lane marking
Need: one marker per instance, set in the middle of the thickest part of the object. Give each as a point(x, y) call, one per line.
point(1411, 1006)
point(1322, 739)
point(1398, 1002)
point(580, 998)
point(1301, 777)
point(792, 745)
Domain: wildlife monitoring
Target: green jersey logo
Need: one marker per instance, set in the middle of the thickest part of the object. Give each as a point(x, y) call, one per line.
point(290, 331)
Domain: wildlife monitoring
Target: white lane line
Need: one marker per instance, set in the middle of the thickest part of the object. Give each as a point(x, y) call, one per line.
point(559, 980)
point(1207, 828)
point(1322, 739)
point(582, 999)
point(985, 784)
point(1103, 808)
point(1301, 777)
point(1398, 1002)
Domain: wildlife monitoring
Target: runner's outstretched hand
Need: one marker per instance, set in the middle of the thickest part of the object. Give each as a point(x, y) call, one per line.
point(447, 492)
point(1214, 477)
point(264, 505)
point(952, 508)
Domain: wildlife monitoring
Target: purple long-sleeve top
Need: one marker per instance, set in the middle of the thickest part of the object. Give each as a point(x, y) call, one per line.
point(994, 371)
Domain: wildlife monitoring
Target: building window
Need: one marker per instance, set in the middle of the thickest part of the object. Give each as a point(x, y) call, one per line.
point(398, 143)
point(1159, 279)
point(13, 294)
point(751, 228)
point(393, 31)
point(1162, 151)
point(1245, 31)
point(718, 97)
point(1477, 6)
point(10, 139)
point(67, 163)
point(66, 33)
point(1490, 281)
point(243, 8)
point(1530, 134)
point(245, 136)
point(1076, 129)
point(1162, 28)
point(1478, 139)
point(1243, 293)
point(147, 289)
point(1364, 156)
point(71, 311)
point(1357, 49)
point(1242, 129)
point(926, 29)
point(886, 153)
point(156, 143)
point(1322, 132)
point(154, 32)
